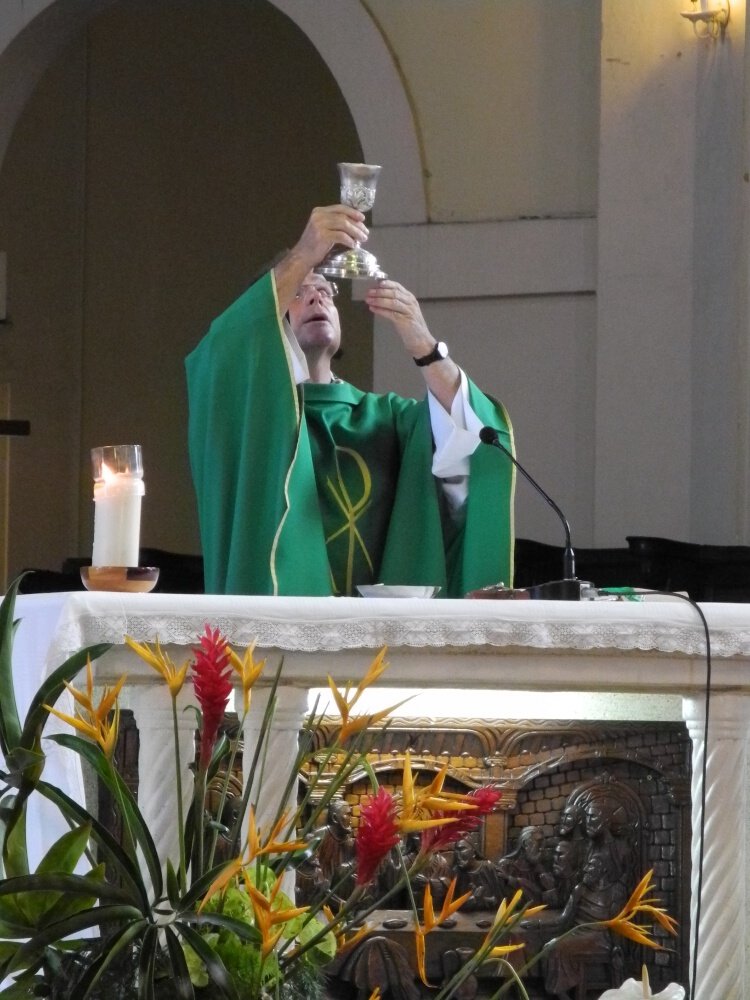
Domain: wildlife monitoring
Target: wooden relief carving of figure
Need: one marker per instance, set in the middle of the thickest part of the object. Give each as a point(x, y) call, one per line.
point(476, 875)
point(311, 884)
point(566, 871)
point(598, 896)
point(602, 817)
point(523, 868)
point(337, 852)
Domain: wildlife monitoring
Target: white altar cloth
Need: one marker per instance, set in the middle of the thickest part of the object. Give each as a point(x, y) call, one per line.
point(546, 645)
point(336, 623)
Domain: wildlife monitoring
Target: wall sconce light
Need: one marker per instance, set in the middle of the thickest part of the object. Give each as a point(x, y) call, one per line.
point(714, 17)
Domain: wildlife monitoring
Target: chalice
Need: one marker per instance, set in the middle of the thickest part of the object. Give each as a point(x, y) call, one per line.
point(358, 184)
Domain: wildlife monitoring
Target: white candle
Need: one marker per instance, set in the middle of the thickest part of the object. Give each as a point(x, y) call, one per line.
point(118, 489)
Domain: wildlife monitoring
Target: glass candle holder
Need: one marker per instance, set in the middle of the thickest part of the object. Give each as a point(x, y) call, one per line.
point(118, 490)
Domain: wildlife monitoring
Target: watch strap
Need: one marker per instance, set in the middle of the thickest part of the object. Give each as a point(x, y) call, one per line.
point(438, 353)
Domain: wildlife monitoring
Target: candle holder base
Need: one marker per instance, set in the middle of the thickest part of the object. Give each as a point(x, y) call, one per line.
point(120, 579)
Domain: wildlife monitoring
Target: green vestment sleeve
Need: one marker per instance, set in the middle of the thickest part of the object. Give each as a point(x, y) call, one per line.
point(250, 456)
point(254, 454)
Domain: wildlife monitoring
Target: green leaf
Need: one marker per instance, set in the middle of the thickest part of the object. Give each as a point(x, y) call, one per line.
point(180, 982)
point(26, 975)
point(39, 897)
point(147, 964)
point(111, 948)
point(15, 929)
point(243, 930)
point(20, 991)
point(10, 724)
point(61, 858)
point(214, 965)
point(65, 928)
point(173, 887)
point(66, 852)
point(220, 751)
point(24, 767)
point(15, 859)
point(120, 860)
point(132, 818)
point(22, 747)
point(305, 928)
point(70, 903)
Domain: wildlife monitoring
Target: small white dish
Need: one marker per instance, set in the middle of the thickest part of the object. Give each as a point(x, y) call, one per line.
point(393, 590)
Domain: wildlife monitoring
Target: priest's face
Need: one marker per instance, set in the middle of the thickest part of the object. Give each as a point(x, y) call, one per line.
point(314, 317)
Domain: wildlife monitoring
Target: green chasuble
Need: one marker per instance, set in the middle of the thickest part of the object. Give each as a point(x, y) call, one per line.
point(314, 489)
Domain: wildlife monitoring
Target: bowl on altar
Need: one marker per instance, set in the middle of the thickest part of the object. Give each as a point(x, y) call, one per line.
point(120, 579)
point(393, 590)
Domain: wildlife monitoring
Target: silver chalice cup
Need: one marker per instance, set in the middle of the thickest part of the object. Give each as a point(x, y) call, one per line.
point(358, 184)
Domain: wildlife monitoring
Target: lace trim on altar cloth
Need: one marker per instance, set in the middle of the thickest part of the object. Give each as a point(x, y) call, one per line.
point(677, 631)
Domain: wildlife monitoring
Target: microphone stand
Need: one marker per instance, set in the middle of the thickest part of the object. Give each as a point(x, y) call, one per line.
point(569, 588)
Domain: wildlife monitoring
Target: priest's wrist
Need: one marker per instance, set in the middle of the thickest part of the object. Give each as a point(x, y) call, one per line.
point(438, 352)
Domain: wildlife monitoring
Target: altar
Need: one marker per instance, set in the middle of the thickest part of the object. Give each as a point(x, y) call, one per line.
point(627, 651)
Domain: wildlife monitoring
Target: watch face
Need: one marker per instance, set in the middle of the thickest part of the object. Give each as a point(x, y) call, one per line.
point(441, 350)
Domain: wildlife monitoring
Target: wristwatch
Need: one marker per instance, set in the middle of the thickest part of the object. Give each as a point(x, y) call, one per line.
point(438, 353)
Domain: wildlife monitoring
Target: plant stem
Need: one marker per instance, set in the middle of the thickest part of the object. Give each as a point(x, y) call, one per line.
point(225, 788)
point(180, 815)
point(199, 814)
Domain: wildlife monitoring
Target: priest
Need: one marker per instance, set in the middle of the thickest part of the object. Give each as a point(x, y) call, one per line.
point(307, 485)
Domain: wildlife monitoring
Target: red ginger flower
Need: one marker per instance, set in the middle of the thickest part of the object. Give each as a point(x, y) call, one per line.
point(437, 837)
point(377, 834)
point(211, 680)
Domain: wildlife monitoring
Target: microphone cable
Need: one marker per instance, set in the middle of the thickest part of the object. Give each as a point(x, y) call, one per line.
point(618, 591)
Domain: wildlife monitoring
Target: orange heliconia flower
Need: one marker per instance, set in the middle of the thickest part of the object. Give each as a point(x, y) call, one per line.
point(640, 904)
point(449, 907)
point(248, 669)
point(93, 720)
point(268, 916)
point(345, 702)
point(162, 663)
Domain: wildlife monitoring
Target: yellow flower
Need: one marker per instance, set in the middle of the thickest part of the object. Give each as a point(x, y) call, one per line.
point(267, 916)
point(421, 950)
point(90, 720)
point(418, 803)
point(225, 877)
point(248, 670)
point(256, 847)
point(640, 904)
point(345, 702)
point(507, 911)
point(160, 661)
point(450, 906)
point(501, 950)
point(508, 914)
point(343, 943)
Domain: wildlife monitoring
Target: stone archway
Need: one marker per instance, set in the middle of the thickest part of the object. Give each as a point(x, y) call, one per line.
point(344, 35)
point(32, 50)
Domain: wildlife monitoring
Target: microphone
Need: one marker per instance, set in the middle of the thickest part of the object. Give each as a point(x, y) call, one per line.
point(569, 588)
